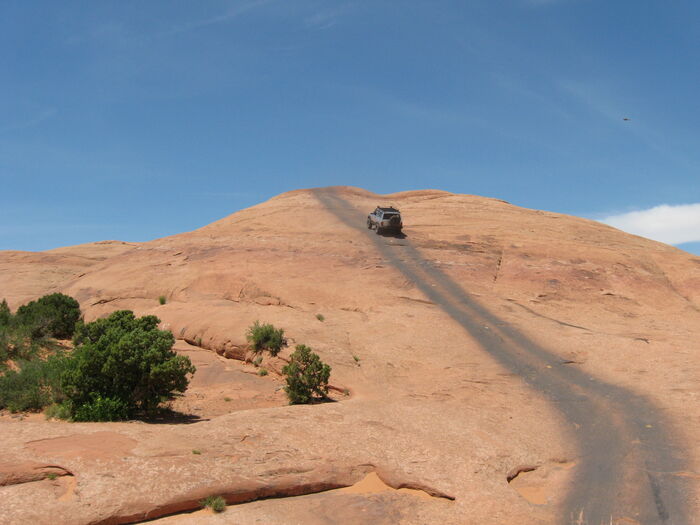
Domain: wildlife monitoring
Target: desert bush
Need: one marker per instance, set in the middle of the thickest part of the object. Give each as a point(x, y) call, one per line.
point(306, 376)
point(17, 343)
point(24, 340)
point(215, 503)
point(266, 337)
point(5, 314)
point(126, 359)
point(162, 299)
point(52, 315)
point(320, 317)
point(35, 385)
point(4, 349)
point(58, 411)
point(24, 334)
point(100, 409)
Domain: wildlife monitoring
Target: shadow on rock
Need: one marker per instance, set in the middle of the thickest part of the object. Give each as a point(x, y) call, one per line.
point(172, 417)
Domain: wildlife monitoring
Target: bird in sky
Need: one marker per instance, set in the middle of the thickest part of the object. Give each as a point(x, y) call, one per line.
point(626, 119)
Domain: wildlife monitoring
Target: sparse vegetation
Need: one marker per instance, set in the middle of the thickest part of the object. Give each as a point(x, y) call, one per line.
point(266, 337)
point(196, 452)
point(320, 317)
point(262, 372)
point(306, 375)
point(122, 366)
point(162, 299)
point(35, 385)
point(257, 361)
point(31, 361)
point(52, 476)
point(227, 399)
point(215, 503)
point(357, 360)
point(5, 314)
point(57, 411)
point(17, 344)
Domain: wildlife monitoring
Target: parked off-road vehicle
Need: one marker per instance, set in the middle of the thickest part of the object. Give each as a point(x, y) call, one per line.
point(385, 220)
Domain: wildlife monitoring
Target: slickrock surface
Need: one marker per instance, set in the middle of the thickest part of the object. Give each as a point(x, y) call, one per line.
point(518, 366)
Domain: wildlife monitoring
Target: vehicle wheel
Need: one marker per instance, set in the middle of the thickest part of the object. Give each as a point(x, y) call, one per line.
point(378, 231)
point(369, 224)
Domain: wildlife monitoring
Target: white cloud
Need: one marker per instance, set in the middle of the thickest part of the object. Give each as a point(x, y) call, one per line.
point(327, 17)
point(30, 122)
point(672, 224)
point(538, 3)
point(230, 14)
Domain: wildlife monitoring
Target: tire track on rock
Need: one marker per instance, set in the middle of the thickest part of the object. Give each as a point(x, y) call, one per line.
point(627, 451)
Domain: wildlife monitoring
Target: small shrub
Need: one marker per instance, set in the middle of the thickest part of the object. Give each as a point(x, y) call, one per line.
point(199, 342)
point(196, 452)
point(54, 315)
point(266, 337)
point(24, 339)
point(320, 317)
point(58, 411)
point(306, 375)
point(357, 359)
point(102, 409)
point(215, 503)
point(35, 385)
point(52, 476)
point(257, 361)
point(5, 314)
point(262, 372)
point(227, 399)
point(162, 299)
point(17, 343)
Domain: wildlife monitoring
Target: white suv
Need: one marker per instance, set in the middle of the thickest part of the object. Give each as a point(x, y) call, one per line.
point(385, 220)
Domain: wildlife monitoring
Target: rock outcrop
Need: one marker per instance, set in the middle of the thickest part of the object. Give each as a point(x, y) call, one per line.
point(431, 407)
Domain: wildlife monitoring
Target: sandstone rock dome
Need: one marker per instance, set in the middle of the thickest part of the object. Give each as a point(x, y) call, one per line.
point(509, 365)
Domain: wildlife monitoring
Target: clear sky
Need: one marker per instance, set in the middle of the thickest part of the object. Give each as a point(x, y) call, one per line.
point(134, 120)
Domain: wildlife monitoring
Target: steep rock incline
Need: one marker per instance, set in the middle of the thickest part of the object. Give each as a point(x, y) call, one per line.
point(430, 406)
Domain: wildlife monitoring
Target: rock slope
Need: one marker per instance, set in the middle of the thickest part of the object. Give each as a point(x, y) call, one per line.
point(519, 366)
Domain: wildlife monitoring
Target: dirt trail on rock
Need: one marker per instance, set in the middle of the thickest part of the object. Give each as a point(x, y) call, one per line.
point(628, 452)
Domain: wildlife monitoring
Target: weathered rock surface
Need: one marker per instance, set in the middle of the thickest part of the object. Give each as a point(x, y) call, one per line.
point(430, 408)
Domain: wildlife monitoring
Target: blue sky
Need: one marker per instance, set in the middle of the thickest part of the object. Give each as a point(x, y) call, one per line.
point(134, 120)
